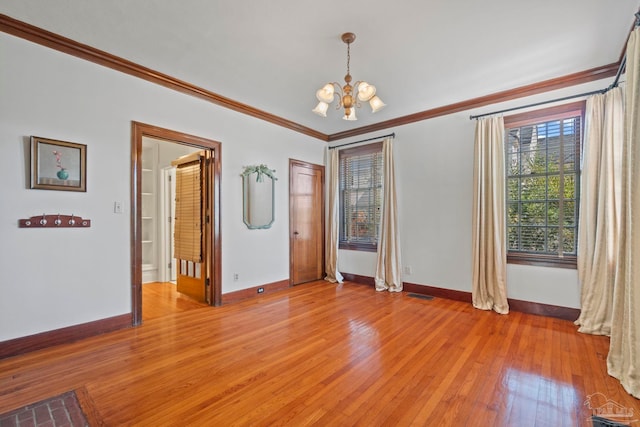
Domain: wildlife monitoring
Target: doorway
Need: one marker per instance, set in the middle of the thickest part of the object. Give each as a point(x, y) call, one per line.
point(214, 256)
point(306, 222)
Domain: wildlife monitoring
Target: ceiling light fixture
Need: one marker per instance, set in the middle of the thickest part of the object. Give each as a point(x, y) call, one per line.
point(349, 95)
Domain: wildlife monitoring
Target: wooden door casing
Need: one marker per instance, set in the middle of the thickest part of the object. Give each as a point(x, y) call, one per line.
point(306, 222)
point(214, 234)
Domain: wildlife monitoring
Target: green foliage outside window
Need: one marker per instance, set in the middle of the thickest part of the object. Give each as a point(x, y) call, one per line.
point(542, 187)
point(360, 197)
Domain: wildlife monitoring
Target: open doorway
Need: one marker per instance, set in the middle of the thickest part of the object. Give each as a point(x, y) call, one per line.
point(162, 294)
point(151, 147)
point(158, 207)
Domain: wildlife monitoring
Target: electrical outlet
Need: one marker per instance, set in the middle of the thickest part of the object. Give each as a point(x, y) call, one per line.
point(260, 290)
point(117, 207)
point(235, 277)
point(408, 270)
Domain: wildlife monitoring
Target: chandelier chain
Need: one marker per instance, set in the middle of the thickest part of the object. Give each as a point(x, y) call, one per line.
point(348, 57)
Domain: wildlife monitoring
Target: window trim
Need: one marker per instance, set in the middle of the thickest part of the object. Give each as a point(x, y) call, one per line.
point(542, 260)
point(375, 147)
point(537, 116)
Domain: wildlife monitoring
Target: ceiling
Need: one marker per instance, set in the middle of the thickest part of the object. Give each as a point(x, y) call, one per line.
point(274, 55)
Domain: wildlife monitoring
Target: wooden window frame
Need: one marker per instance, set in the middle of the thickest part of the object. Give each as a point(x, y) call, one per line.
point(375, 147)
point(536, 117)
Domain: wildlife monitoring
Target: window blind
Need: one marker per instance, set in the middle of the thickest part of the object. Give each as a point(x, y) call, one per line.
point(542, 168)
point(188, 221)
point(360, 196)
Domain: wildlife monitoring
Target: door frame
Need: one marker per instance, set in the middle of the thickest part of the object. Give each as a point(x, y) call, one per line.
point(138, 131)
point(321, 168)
point(167, 206)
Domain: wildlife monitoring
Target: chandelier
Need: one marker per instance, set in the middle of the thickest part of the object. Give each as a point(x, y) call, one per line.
point(349, 96)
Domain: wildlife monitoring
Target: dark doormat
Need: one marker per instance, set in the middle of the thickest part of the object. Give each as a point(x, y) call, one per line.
point(420, 296)
point(61, 410)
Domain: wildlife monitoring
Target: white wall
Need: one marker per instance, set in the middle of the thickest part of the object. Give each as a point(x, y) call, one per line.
point(434, 173)
point(53, 278)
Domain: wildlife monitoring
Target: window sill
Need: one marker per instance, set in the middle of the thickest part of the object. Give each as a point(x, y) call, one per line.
point(542, 260)
point(358, 247)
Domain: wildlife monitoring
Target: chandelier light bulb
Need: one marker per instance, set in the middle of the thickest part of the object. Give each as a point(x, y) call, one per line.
point(326, 93)
point(366, 91)
point(376, 104)
point(351, 116)
point(321, 109)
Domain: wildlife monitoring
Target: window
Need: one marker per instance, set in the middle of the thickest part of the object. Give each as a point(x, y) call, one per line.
point(360, 196)
point(543, 182)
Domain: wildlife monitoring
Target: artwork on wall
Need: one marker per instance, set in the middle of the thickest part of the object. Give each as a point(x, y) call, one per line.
point(58, 165)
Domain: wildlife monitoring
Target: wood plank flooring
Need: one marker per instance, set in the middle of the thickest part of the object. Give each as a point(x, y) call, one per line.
point(161, 299)
point(325, 354)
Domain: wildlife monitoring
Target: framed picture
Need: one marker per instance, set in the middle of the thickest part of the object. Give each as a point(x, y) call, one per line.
point(58, 165)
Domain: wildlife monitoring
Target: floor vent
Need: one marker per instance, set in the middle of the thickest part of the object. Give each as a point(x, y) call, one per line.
point(420, 296)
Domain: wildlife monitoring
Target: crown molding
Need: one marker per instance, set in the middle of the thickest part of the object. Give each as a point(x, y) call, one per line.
point(494, 98)
point(72, 47)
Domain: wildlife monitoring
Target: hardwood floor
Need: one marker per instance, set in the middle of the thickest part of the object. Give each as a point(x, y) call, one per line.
point(161, 299)
point(325, 354)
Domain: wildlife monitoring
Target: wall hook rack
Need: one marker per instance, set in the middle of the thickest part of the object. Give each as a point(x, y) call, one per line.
point(54, 221)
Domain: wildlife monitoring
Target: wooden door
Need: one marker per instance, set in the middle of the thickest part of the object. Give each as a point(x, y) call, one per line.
point(306, 221)
point(192, 213)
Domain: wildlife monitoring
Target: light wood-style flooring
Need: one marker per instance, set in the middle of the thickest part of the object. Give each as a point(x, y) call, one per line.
point(161, 299)
point(327, 355)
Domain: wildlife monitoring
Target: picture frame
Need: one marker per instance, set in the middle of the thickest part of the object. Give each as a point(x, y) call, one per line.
point(58, 165)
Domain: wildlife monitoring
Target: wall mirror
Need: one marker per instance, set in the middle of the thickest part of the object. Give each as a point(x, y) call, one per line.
point(258, 188)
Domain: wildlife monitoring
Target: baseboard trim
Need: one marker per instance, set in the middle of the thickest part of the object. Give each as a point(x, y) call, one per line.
point(356, 278)
point(66, 335)
point(248, 293)
point(540, 309)
point(451, 294)
point(556, 311)
point(548, 310)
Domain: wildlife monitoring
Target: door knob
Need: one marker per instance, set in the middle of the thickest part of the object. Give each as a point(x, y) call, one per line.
point(295, 233)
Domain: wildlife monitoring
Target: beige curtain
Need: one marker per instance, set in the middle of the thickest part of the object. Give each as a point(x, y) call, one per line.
point(388, 268)
point(489, 257)
point(333, 218)
point(623, 361)
point(600, 210)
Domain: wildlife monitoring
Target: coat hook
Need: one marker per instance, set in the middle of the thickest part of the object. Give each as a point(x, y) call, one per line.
point(54, 221)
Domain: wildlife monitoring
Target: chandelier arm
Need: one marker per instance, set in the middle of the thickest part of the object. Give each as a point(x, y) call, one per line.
point(356, 89)
point(339, 93)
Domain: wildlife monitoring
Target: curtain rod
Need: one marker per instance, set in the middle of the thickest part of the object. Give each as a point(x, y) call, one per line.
point(621, 66)
point(623, 61)
point(539, 103)
point(364, 140)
